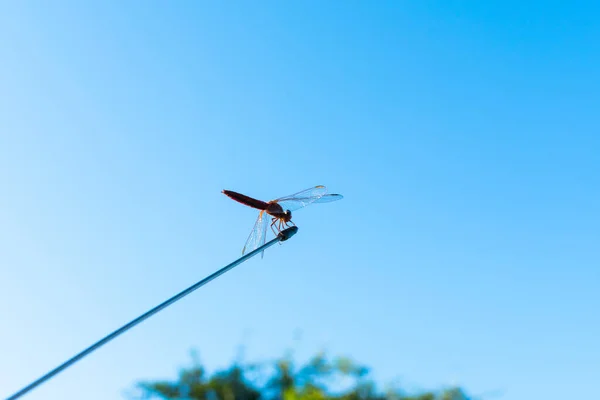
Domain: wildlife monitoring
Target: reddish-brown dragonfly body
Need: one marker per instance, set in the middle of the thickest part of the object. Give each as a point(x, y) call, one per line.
point(272, 207)
point(279, 209)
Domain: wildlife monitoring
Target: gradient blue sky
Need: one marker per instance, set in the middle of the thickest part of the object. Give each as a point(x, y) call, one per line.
point(464, 135)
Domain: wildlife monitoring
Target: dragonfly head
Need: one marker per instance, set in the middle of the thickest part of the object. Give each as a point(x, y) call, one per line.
point(288, 215)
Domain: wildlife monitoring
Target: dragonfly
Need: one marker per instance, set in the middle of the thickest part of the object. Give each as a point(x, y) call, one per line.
point(278, 212)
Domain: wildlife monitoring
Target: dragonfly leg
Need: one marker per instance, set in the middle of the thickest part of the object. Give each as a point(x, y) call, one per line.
point(273, 223)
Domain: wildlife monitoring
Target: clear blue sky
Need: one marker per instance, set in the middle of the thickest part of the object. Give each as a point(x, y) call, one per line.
point(465, 137)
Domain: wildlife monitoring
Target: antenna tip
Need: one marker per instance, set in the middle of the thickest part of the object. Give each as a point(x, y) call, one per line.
point(288, 233)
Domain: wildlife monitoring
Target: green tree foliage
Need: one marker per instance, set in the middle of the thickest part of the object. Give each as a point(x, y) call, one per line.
point(319, 379)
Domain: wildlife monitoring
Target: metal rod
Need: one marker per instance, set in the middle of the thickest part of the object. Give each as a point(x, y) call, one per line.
point(283, 236)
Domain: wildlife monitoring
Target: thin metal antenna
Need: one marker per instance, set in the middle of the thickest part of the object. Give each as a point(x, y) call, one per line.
point(282, 237)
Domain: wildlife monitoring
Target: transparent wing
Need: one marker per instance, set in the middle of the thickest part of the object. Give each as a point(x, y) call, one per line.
point(315, 191)
point(258, 235)
point(329, 198)
point(317, 194)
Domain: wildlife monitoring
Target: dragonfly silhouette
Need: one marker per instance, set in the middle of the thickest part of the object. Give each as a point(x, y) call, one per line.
point(278, 211)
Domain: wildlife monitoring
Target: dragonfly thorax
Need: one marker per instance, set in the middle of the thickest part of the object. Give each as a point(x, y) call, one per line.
point(276, 210)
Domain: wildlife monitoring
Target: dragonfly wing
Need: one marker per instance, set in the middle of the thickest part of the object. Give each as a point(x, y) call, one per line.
point(301, 199)
point(315, 191)
point(258, 235)
point(317, 194)
point(329, 198)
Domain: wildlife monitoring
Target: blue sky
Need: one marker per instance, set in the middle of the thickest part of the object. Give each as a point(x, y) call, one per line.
point(463, 135)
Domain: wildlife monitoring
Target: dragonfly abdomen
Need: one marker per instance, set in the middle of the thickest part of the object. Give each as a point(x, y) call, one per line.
point(246, 200)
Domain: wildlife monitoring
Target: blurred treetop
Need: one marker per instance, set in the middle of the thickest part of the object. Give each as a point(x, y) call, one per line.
point(319, 379)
